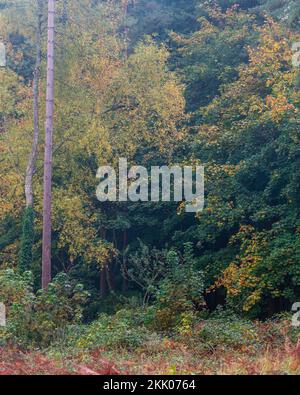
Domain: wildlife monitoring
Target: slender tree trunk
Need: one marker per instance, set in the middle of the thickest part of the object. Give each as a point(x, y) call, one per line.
point(46, 263)
point(103, 283)
point(27, 239)
point(103, 273)
point(32, 157)
point(109, 278)
point(124, 257)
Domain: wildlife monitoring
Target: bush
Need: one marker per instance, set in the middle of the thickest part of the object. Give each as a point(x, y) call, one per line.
point(16, 293)
point(57, 308)
point(225, 329)
point(146, 267)
point(181, 292)
point(35, 320)
point(122, 330)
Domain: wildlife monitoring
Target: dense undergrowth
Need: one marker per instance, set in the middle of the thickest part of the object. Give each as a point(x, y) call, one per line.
point(113, 345)
point(46, 333)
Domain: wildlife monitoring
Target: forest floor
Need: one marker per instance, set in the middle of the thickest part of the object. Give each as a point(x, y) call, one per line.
point(173, 358)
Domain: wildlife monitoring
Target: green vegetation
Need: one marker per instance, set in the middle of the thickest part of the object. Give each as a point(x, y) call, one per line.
point(159, 82)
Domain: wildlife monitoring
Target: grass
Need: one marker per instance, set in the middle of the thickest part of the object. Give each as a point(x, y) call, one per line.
point(272, 353)
point(175, 360)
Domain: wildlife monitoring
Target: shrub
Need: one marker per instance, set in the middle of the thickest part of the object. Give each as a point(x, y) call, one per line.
point(146, 267)
point(35, 320)
point(57, 308)
point(16, 293)
point(122, 330)
point(180, 292)
point(225, 329)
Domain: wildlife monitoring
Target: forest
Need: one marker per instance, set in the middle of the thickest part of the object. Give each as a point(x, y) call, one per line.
point(91, 287)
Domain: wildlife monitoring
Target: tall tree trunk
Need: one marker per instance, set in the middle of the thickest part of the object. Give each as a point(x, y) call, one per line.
point(103, 283)
point(27, 240)
point(109, 278)
point(32, 157)
point(124, 263)
point(46, 263)
point(103, 272)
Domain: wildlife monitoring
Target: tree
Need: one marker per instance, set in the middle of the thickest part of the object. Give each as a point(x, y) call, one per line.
point(32, 156)
point(46, 260)
point(25, 259)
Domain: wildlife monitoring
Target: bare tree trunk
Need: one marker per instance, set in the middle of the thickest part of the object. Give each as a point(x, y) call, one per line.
point(46, 263)
point(27, 239)
point(103, 273)
point(109, 278)
point(103, 283)
point(124, 263)
point(32, 157)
